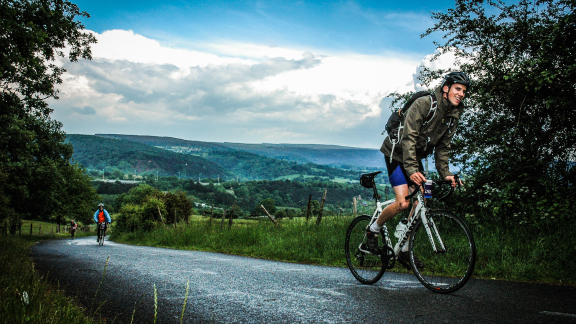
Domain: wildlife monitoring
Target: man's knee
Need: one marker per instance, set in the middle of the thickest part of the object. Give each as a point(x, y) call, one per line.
point(401, 205)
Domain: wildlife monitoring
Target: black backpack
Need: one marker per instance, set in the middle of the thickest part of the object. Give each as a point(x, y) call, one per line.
point(394, 124)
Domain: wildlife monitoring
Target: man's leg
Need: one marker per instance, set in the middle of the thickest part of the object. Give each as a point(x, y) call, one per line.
point(390, 211)
point(395, 208)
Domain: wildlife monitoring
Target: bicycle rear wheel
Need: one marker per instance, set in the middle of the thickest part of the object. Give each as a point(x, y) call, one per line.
point(366, 267)
point(449, 270)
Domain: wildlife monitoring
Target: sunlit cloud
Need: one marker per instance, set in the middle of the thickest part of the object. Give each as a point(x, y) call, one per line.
point(236, 92)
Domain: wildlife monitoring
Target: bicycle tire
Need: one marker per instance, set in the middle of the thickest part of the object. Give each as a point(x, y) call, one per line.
point(447, 271)
point(365, 267)
point(102, 235)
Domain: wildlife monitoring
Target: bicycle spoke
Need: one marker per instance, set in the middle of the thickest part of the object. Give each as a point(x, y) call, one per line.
point(366, 267)
point(450, 269)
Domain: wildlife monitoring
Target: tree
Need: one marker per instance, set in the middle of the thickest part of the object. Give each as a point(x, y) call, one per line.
point(268, 203)
point(34, 160)
point(518, 134)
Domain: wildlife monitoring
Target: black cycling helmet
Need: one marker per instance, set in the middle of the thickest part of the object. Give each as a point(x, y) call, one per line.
point(456, 77)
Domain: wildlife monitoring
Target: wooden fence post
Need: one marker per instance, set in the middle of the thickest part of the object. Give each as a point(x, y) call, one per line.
point(211, 214)
point(231, 215)
point(354, 207)
point(175, 215)
point(309, 207)
point(30, 229)
point(319, 219)
point(159, 213)
point(223, 218)
point(267, 213)
point(39, 229)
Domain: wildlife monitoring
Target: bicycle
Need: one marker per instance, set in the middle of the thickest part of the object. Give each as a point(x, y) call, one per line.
point(438, 238)
point(102, 233)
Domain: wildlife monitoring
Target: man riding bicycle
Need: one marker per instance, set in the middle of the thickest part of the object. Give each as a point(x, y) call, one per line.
point(73, 227)
point(100, 216)
point(421, 135)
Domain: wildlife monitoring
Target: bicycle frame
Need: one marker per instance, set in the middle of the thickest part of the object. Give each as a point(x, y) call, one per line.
point(419, 213)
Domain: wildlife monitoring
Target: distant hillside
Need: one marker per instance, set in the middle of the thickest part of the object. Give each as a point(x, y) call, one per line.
point(95, 152)
point(191, 159)
point(333, 155)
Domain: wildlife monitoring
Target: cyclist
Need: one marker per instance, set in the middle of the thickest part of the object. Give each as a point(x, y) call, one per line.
point(100, 216)
point(418, 140)
point(73, 227)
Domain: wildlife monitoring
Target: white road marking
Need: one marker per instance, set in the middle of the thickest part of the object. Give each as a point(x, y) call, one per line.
point(558, 314)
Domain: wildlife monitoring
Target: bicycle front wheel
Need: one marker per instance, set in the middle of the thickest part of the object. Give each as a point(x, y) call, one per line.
point(445, 270)
point(365, 266)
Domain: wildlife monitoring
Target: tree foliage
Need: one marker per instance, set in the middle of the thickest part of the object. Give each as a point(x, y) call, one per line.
point(144, 208)
point(518, 136)
point(38, 178)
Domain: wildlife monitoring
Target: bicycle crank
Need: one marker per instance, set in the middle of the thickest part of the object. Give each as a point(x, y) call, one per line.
point(387, 256)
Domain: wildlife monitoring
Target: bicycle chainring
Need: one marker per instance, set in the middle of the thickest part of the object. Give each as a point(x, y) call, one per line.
point(387, 256)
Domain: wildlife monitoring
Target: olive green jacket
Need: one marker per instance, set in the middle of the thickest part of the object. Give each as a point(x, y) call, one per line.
point(418, 140)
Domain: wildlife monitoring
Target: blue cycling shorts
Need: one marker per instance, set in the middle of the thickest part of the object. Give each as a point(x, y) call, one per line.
point(397, 174)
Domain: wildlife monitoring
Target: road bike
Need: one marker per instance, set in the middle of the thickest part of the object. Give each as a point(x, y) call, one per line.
point(102, 233)
point(438, 238)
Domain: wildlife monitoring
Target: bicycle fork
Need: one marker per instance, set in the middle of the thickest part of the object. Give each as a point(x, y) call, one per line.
point(430, 227)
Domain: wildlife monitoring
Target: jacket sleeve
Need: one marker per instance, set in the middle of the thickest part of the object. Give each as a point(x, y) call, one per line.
point(96, 216)
point(108, 219)
point(442, 151)
point(412, 125)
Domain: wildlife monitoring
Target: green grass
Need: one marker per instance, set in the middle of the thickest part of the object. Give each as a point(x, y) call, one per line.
point(47, 230)
point(24, 297)
point(521, 254)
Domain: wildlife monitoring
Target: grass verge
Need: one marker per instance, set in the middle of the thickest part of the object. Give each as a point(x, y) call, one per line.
point(521, 254)
point(25, 297)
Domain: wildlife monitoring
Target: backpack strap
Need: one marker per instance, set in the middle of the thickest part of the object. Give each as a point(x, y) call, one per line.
point(433, 108)
point(429, 116)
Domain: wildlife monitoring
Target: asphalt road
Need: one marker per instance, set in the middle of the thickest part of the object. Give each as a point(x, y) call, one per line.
point(233, 289)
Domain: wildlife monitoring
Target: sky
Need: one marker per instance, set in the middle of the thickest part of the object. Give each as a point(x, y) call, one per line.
point(247, 71)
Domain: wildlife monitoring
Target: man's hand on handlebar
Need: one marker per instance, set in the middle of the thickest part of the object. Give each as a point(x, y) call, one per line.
point(418, 178)
point(455, 180)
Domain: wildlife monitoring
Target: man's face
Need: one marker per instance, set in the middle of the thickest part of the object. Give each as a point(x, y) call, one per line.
point(456, 93)
point(101, 208)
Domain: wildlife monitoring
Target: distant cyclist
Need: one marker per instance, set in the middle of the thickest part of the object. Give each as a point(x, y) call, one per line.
point(73, 227)
point(101, 216)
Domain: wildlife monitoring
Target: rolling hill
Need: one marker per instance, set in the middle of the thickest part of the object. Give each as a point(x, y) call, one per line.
point(332, 155)
point(191, 159)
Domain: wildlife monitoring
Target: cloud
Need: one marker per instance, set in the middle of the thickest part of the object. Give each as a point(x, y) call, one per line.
point(254, 94)
point(444, 61)
point(85, 110)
